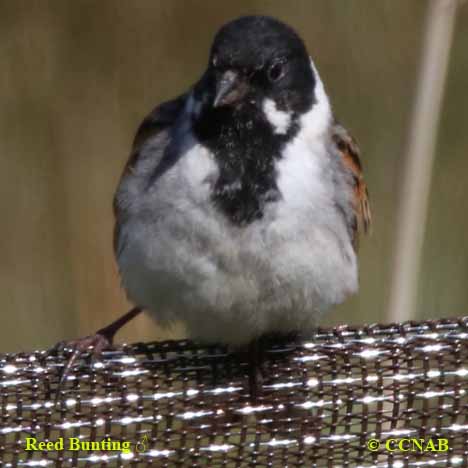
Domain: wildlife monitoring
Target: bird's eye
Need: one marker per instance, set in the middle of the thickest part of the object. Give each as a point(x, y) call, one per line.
point(215, 61)
point(276, 71)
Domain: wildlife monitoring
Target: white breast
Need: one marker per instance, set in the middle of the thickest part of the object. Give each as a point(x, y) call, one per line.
point(229, 284)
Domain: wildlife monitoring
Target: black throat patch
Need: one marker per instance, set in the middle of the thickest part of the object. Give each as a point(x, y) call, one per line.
point(245, 149)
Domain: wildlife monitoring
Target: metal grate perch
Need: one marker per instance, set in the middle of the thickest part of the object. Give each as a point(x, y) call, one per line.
point(179, 404)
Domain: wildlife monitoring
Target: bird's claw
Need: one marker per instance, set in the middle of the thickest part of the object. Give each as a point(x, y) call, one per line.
point(93, 344)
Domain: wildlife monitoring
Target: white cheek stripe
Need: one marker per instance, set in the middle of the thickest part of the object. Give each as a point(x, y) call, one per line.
point(280, 120)
point(316, 121)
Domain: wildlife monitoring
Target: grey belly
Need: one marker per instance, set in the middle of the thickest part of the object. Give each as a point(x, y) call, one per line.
point(227, 289)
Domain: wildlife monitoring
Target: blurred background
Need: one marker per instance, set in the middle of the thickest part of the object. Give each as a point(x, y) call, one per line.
point(76, 79)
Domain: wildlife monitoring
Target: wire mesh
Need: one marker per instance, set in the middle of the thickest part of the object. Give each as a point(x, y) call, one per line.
point(323, 400)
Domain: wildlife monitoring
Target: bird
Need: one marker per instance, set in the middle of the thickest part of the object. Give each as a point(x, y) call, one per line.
point(239, 210)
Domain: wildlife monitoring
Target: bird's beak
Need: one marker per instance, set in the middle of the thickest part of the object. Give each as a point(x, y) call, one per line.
point(230, 89)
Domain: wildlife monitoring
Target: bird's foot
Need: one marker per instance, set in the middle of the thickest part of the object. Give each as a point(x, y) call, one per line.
point(93, 345)
point(255, 370)
point(255, 383)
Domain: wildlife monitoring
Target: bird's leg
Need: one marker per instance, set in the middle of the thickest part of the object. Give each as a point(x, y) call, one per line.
point(255, 368)
point(96, 343)
point(110, 330)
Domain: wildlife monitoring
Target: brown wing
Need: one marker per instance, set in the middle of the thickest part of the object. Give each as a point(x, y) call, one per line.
point(350, 153)
point(161, 118)
point(153, 127)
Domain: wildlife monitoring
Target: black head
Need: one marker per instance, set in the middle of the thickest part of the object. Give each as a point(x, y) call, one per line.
point(254, 58)
point(247, 106)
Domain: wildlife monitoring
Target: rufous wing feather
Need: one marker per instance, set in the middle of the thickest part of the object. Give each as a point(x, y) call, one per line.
point(350, 156)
